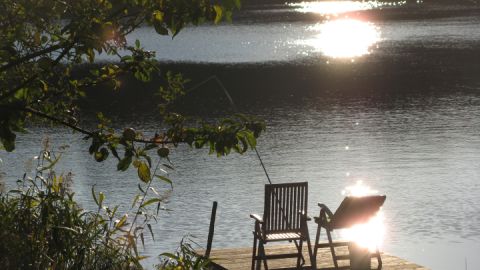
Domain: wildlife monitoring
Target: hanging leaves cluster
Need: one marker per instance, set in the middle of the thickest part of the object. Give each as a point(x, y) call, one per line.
point(42, 42)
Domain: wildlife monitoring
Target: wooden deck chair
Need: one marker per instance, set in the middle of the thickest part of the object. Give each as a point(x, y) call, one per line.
point(284, 219)
point(352, 210)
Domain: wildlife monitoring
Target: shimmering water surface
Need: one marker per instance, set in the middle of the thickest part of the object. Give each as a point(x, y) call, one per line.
point(420, 147)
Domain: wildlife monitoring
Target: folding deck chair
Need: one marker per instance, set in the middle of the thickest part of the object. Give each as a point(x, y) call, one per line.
point(284, 219)
point(352, 210)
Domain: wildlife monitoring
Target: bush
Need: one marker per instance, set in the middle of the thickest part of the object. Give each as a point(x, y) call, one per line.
point(42, 227)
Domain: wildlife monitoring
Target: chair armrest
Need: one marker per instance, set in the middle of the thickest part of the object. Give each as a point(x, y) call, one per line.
point(307, 217)
point(257, 218)
point(326, 209)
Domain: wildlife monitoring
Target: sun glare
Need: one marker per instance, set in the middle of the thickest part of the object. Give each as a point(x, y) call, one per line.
point(368, 235)
point(344, 38)
point(359, 190)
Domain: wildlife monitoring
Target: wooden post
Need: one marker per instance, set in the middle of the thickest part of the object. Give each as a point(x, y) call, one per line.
point(360, 258)
point(211, 230)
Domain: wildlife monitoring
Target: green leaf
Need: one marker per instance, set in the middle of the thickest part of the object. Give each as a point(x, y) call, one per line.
point(124, 163)
point(158, 15)
point(163, 152)
point(94, 196)
point(121, 222)
point(151, 231)
point(90, 55)
point(154, 200)
point(149, 160)
point(251, 140)
point(136, 163)
point(101, 197)
point(141, 189)
point(219, 13)
point(114, 151)
point(21, 94)
point(52, 163)
point(249, 136)
point(159, 28)
point(7, 138)
point(165, 179)
point(101, 155)
point(238, 4)
point(143, 240)
point(135, 200)
point(144, 172)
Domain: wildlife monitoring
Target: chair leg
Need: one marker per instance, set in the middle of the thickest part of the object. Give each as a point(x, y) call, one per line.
point(300, 255)
point(254, 253)
point(297, 246)
point(332, 249)
point(312, 260)
point(315, 248)
point(261, 250)
point(379, 260)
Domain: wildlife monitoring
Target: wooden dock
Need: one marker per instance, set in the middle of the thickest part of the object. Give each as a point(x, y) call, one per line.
point(240, 259)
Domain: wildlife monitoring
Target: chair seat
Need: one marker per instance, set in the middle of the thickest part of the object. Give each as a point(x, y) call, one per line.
point(283, 236)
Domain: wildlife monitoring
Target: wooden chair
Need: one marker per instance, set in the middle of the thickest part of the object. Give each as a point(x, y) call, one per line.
point(284, 219)
point(352, 210)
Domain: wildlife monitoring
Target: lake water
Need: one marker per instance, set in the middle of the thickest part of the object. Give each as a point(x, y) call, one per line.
point(394, 103)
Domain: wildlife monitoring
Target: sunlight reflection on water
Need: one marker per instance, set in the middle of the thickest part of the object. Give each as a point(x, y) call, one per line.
point(337, 7)
point(343, 38)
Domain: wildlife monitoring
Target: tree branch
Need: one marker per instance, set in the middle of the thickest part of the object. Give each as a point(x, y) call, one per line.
point(77, 128)
point(33, 77)
point(30, 56)
point(57, 120)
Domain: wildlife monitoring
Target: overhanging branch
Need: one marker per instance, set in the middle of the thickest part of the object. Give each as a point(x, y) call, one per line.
point(77, 128)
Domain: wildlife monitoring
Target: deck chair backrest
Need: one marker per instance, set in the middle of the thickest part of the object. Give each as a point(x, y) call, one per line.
point(356, 210)
point(284, 205)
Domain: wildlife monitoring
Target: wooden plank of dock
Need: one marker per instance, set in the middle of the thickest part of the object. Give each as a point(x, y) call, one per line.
point(240, 259)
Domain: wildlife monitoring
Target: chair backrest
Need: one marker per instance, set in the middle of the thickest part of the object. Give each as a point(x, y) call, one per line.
point(356, 210)
point(284, 206)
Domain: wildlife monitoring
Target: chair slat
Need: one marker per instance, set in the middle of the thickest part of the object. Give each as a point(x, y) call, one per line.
point(283, 205)
point(293, 207)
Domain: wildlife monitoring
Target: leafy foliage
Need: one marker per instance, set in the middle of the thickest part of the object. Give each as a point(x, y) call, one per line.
point(42, 226)
point(41, 44)
point(43, 41)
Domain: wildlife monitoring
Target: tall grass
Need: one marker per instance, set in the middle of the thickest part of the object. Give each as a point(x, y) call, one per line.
point(43, 227)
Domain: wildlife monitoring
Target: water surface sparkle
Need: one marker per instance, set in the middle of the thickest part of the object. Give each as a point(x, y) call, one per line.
point(338, 7)
point(344, 38)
